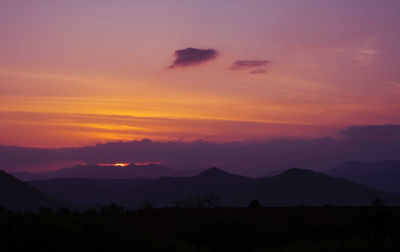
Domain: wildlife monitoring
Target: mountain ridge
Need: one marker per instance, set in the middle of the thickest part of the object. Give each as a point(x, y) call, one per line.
point(383, 175)
point(18, 195)
point(290, 188)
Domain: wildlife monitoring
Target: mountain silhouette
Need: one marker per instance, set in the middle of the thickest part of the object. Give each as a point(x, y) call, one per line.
point(292, 187)
point(384, 175)
point(215, 175)
point(304, 187)
point(17, 195)
point(108, 172)
point(214, 172)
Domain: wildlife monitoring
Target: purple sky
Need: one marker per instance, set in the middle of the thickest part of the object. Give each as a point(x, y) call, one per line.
point(280, 73)
point(76, 73)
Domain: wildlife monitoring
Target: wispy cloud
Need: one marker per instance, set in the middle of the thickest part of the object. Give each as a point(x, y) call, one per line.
point(255, 66)
point(258, 71)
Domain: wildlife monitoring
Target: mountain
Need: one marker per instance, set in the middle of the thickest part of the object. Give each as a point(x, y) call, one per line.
point(305, 187)
point(291, 188)
point(218, 176)
point(108, 172)
point(17, 195)
point(383, 175)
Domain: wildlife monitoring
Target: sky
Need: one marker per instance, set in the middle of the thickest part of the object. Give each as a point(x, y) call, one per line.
point(77, 73)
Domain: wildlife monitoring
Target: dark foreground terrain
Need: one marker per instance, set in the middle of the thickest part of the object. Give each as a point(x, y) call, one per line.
point(374, 228)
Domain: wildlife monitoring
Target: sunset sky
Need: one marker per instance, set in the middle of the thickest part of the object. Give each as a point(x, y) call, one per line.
point(80, 72)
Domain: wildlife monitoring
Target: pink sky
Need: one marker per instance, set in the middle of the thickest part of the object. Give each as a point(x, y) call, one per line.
point(74, 73)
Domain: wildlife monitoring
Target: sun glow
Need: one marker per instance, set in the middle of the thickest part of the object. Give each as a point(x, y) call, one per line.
point(116, 164)
point(121, 164)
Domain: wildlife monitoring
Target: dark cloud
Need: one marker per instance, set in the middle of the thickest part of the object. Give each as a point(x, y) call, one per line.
point(192, 56)
point(256, 66)
point(247, 158)
point(388, 131)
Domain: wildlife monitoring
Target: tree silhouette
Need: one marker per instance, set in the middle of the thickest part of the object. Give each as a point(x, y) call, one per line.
point(113, 208)
point(378, 202)
point(200, 201)
point(147, 205)
point(255, 204)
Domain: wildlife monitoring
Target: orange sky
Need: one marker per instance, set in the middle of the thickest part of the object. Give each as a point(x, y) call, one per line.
point(73, 73)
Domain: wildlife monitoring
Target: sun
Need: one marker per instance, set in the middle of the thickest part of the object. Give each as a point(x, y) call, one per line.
point(121, 164)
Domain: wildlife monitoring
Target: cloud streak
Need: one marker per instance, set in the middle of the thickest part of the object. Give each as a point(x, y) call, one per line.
point(255, 66)
point(388, 131)
point(258, 71)
point(192, 57)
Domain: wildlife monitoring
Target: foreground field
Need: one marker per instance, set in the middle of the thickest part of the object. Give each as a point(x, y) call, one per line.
point(194, 229)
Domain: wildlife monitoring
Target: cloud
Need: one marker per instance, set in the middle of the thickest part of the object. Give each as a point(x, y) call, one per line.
point(258, 71)
point(192, 56)
point(246, 64)
point(388, 131)
point(248, 158)
point(256, 66)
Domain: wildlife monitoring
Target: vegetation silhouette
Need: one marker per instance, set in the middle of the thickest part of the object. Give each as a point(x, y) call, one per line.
point(147, 205)
point(114, 228)
point(113, 208)
point(378, 202)
point(206, 200)
point(255, 204)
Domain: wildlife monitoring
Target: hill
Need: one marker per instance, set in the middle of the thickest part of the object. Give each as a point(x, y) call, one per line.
point(17, 195)
point(383, 175)
point(291, 188)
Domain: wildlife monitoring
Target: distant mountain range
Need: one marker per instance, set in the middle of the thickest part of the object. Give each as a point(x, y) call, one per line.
point(383, 175)
point(108, 172)
point(17, 195)
point(292, 187)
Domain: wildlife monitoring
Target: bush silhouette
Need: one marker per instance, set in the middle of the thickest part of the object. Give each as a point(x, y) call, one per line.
point(113, 208)
point(147, 205)
point(378, 202)
point(200, 201)
point(255, 204)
